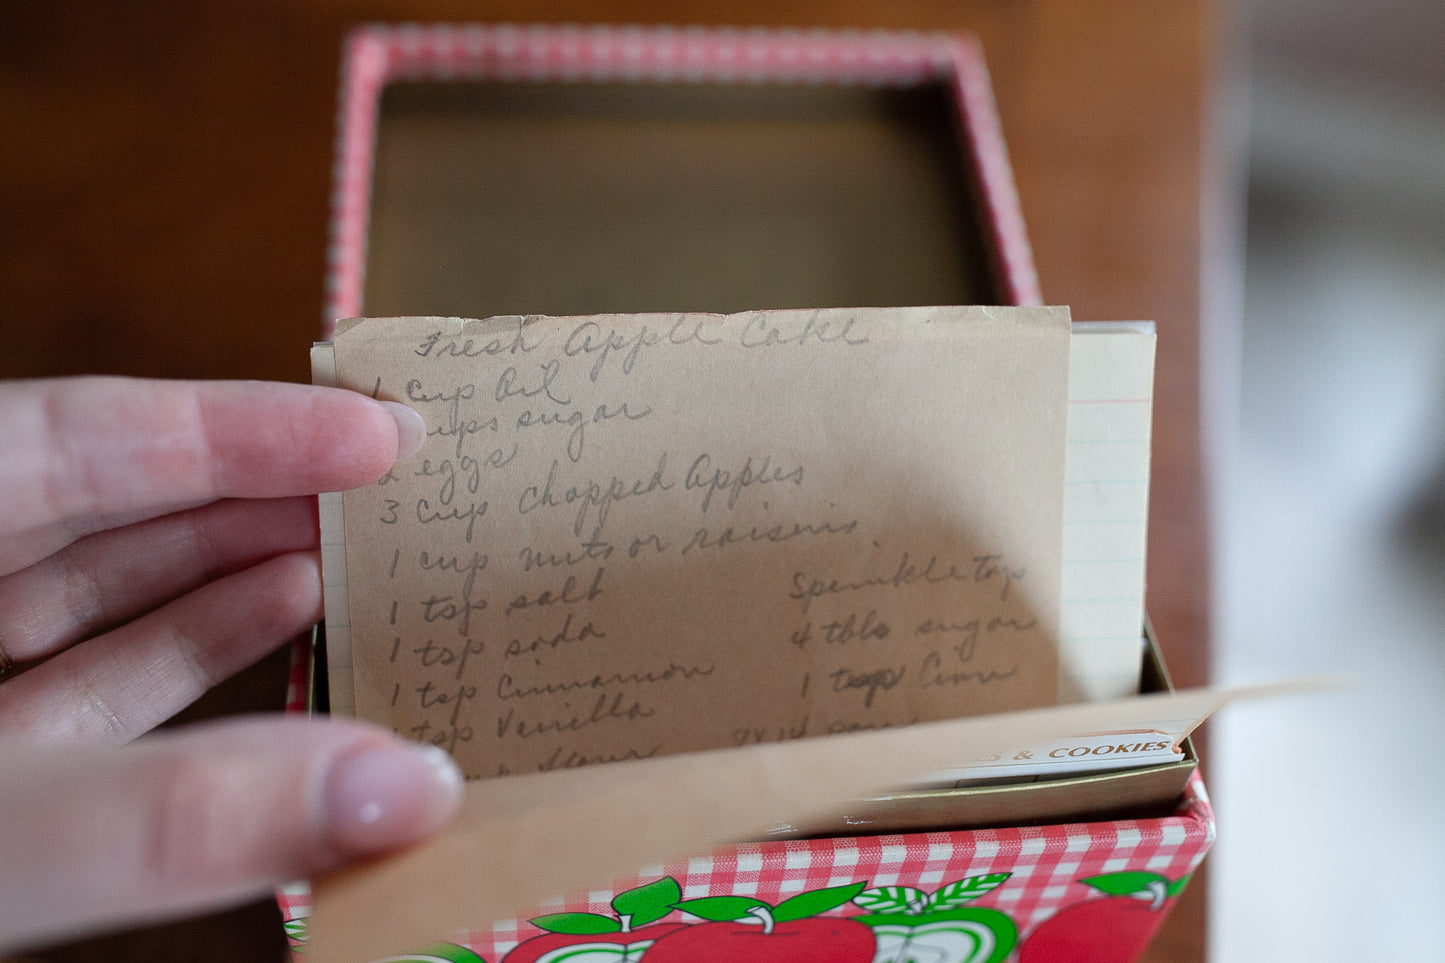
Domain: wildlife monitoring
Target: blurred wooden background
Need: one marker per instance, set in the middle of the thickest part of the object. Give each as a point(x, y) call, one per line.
point(165, 174)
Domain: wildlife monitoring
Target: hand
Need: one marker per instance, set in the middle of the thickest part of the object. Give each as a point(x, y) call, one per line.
point(156, 537)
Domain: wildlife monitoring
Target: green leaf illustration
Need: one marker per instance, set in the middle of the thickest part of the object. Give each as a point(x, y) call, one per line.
point(436, 953)
point(1124, 884)
point(296, 929)
point(897, 900)
point(648, 903)
point(577, 924)
point(720, 909)
point(962, 891)
point(1177, 887)
point(818, 901)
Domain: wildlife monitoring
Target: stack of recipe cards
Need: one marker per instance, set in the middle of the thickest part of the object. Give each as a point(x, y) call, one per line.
point(629, 536)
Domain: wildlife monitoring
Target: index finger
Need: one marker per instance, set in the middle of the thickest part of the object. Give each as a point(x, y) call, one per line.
point(85, 454)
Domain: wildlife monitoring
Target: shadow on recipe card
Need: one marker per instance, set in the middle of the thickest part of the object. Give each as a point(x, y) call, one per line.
point(631, 536)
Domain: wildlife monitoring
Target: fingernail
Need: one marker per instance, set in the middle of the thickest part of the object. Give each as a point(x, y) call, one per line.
point(410, 429)
point(388, 798)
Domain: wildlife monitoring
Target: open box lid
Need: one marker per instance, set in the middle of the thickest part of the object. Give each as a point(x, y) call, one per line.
point(495, 170)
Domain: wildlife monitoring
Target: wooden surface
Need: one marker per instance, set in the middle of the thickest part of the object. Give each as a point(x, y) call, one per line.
point(164, 182)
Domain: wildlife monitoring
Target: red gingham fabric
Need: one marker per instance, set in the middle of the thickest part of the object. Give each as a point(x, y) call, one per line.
point(1046, 866)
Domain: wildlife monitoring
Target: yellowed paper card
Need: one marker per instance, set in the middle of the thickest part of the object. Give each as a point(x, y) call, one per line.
point(1106, 505)
point(629, 536)
point(523, 839)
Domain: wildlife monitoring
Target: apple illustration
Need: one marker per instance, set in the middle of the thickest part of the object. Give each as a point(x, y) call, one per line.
point(594, 938)
point(747, 930)
point(436, 953)
point(1114, 929)
point(912, 926)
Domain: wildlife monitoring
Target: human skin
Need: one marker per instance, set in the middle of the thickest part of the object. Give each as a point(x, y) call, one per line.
point(155, 538)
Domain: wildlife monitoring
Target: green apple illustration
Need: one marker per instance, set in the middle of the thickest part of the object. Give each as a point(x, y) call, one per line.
point(913, 926)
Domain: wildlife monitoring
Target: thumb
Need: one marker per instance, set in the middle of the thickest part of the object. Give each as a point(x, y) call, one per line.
point(187, 820)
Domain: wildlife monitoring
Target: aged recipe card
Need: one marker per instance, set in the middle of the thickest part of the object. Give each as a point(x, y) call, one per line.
point(629, 536)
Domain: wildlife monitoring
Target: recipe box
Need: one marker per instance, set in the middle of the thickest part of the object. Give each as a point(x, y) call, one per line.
point(490, 170)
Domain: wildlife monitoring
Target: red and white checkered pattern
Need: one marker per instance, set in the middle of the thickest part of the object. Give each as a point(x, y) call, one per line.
point(1045, 863)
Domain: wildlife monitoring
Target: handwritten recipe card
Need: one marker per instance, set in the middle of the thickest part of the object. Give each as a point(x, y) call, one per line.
point(630, 536)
